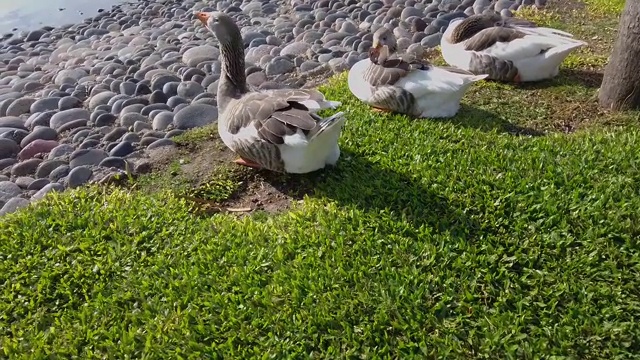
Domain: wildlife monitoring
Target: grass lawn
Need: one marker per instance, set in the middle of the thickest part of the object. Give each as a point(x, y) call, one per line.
point(509, 231)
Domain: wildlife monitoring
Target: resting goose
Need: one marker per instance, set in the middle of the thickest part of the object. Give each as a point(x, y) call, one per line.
point(274, 129)
point(508, 49)
point(415, 88)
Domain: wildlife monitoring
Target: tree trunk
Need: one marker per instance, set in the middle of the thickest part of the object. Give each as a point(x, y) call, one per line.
point(620, 88)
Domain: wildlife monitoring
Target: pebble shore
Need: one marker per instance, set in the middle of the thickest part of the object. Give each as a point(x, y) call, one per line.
point(83, 102)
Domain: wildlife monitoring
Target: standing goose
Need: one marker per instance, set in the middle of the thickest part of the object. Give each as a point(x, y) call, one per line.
point(509, 50)
point(415, 88)
point(275, 129)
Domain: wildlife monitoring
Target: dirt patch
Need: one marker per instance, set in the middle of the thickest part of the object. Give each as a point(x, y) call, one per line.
point(204, 174)
point(565, 6)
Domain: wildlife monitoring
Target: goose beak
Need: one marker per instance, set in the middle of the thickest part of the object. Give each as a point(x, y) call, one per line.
point(375, 49)
point(202, 16)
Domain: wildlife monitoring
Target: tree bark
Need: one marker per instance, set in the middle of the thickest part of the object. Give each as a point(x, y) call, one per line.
point(620, 89)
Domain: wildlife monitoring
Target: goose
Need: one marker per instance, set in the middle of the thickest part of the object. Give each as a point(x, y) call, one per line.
point(508, 49)
point(277, 129)
point(412, 87)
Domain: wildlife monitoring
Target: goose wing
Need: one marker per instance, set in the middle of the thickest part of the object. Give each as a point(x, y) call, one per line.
point(276, 113)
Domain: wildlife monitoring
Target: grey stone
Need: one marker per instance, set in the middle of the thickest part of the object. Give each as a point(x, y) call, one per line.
point(82, 157)
point(47, 189)
point(195, 115)
point(79, 176)
point(63, 117)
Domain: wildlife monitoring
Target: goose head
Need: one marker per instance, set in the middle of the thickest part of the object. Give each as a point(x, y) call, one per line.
point(222, 26)
point(461, 29)
point(233, 79)
point(384, 45)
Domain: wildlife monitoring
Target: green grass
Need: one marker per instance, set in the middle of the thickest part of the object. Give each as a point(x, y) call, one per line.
point(431, 239)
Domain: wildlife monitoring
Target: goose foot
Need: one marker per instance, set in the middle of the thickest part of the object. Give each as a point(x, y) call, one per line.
point(248, 163)
point(380, 110)
point(517, 78)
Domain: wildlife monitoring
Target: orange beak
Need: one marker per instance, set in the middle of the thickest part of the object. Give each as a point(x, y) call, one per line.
point(202, 16)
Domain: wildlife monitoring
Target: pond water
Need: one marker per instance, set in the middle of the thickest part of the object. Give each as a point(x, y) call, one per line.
point(32, 14)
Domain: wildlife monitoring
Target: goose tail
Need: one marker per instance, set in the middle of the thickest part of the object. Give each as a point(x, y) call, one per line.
point(334, 121)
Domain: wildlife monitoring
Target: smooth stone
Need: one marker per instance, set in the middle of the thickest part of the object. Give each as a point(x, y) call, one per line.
point(41, 133)
point(189, 89)
point(148, 141)
point(160, 143)
point(129, 119)
point(158, 97)
point(47, 189)
point(122, 149)
point(45, 104)
point(128, 88)
point(63, 117)
point(147, 110)
point(174, 101)
point(105, 119)
point(79, 176)
point(59, 173)
point(162, 120)
point(44, 119)
point(73, 125)
point(141, 125)
point(38, 184)
point(135, 108)
point(86, 157)
point(12, 122)
point(25, 168)
point(101, 98)
point(46, 167)
point(6, 163)
point(115, 134)
point(8, 190)
point(69, 102)
point(131, 137)
point(16, 135)
point(8, 148)
point(174, 133)
point(13, 205)
point(24, 181)
point(89, 144)
point(37, 146)
point(20, 106)
point(61, 150)
point(200, 54)
point(279, 66)
point(195, 115)
point(114, 162)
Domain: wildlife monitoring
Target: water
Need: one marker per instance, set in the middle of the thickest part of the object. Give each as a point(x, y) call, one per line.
point(33, 14)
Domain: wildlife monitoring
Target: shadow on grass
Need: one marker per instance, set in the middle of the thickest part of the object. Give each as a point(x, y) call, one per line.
point(356, 181)
point(567, 77)
point(477, 118)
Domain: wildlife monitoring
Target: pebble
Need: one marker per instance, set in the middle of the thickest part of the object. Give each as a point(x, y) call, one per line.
point(8, 190)
point(86, 157)
point(24, 168)
point(8, 148)
point(47, 166)
point(52, 187)
point(195, 115)
point(39, 133)
point(78, 176)
point(67, 116)
point(37, 146)
point(13, 205)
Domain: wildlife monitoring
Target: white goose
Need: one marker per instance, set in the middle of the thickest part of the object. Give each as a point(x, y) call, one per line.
point(275, 129)
point(415, 88)
point(508, 49)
